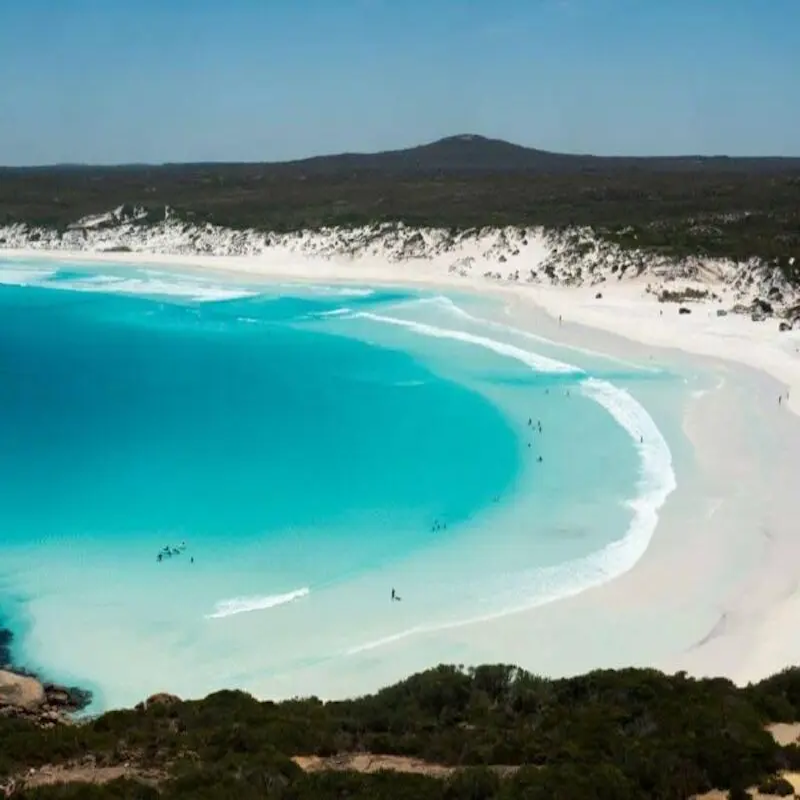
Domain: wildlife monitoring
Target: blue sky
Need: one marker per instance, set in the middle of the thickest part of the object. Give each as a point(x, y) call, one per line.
point(107, 81)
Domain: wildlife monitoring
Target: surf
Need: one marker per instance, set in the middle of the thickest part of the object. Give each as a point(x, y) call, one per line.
point(301, 440)
point(244, 605)
point(655, 483)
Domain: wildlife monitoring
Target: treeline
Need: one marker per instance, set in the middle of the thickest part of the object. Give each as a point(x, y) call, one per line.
point(738, 213)
point(608, 734)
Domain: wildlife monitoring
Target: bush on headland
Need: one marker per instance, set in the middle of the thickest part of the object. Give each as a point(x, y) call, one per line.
point(500, 733)
point(735, 210)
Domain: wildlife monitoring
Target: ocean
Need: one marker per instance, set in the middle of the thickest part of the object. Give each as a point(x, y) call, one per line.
point(208, 483)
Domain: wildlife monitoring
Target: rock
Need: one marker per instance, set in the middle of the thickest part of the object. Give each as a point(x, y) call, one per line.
point(758, 316)
point(159, 699)
point(721, 312)
point(775, 294)
point(56, 696)
point(598, 296)
point(761, 306)
point(5, 647)
point(684, 310)
point(784, 326)
point(21, 691)
point(67, 698)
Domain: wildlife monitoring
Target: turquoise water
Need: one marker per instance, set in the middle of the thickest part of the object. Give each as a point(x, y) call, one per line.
point(303, 450)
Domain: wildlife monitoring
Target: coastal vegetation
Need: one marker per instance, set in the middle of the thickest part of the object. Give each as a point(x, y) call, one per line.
point(733, 208)
point(482, 733)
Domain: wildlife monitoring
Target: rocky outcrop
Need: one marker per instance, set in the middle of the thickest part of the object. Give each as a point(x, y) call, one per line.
point(46, 704)
point(159, 699)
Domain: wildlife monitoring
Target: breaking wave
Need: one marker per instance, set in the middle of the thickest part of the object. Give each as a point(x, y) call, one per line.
point(241, 605)
point(655, 483)
point(329, 291)
point(152, 283)
point(447, 305)
point(22, 276)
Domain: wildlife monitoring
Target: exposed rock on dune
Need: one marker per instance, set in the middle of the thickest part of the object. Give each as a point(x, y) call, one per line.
point(572, 257)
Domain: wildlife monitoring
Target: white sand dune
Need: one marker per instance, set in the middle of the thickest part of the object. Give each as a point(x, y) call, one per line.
point(718, 592)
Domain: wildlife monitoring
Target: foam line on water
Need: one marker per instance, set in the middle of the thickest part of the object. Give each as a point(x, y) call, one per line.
point(336, 312)
point(153, 283)
point(335, 291)
point(447, 305)
point(655, 483)
point(242, 605)
point(535, 361)
point(23, 276)
point(200, 292)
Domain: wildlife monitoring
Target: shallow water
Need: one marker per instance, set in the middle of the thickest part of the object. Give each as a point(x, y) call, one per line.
point(313, 447)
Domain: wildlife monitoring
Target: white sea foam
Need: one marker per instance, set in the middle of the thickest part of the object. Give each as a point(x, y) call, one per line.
point(656, 482)
point(336, 312)
point(153, 283)
point(447, 305)
point(22, 276)
point(197, 291)
point(334, 291)
point(241, 605)
point(535, 361)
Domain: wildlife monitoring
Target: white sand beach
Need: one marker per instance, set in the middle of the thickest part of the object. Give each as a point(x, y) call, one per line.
point(718, 591)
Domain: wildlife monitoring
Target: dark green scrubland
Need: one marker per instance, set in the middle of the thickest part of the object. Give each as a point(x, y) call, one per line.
point(608, 734)
point(726, 207)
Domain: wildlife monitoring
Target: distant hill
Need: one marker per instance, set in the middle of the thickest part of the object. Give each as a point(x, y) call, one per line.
point(687, 205)
point(463, 154)
point(469, 153)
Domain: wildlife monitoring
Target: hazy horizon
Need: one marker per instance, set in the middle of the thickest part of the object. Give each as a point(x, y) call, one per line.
point(133, 164)
point(251, 82)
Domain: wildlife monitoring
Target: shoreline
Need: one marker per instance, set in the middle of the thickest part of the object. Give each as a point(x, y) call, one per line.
point(629, 322)
point(26, 694)
point(627, 308)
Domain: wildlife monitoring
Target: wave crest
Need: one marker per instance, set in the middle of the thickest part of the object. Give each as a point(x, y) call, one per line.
point(656, 482)
point(241, 605)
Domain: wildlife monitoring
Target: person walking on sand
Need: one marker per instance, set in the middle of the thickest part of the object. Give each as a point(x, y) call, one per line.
point(394, 594)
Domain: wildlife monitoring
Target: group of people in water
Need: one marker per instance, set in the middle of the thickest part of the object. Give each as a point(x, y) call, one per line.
point(536, 427)
point(172, 550)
